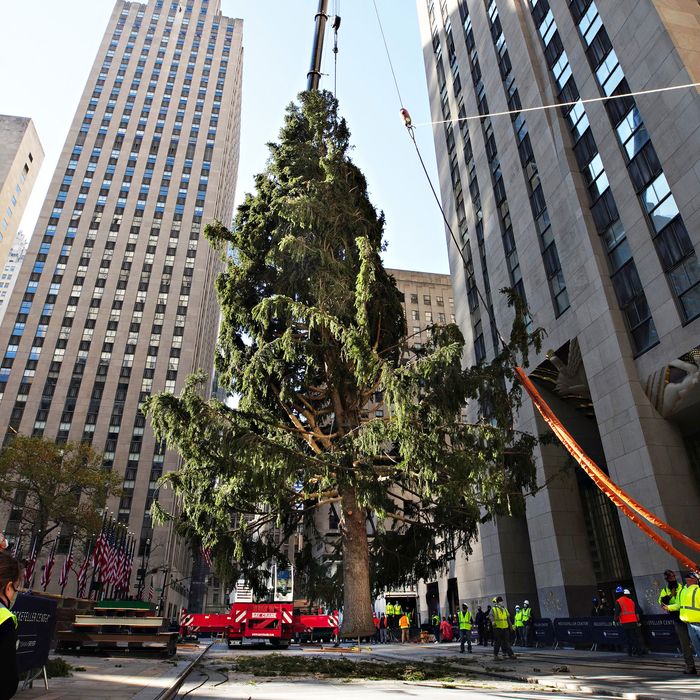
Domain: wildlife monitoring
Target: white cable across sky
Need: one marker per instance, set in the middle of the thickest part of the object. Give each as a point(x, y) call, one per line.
point(556, 105)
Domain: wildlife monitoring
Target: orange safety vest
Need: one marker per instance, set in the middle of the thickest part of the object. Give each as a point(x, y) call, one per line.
point(628, 612)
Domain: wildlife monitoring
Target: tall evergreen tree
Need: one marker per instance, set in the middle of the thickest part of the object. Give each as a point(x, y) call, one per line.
point(312, 328)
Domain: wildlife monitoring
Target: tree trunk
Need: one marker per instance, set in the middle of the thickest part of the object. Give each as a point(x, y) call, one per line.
point(357, 599)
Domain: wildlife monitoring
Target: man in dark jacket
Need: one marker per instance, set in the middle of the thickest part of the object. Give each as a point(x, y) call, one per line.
point(480, 620)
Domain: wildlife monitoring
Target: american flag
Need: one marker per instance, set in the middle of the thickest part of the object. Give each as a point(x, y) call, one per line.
point(82, 576)
point(107, 555)
point(129, 565)
point(151, 592)
point(206, 553)
point(65, 570)
point(48, 567)
point(30, 565)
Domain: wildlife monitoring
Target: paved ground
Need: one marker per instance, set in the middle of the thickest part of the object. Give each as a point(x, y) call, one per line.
point(535, 675)
point(113, 678)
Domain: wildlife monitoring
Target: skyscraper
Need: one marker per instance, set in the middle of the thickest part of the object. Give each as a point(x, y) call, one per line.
point(8, 273)
point(115, 300)
point(21, 156)
point(590, 212)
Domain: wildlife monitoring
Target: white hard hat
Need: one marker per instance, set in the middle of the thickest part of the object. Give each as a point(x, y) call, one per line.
point(626, 591)
point(517, 607)
point(527, 602)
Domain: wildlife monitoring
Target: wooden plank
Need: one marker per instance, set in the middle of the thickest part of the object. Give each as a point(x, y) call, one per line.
point(111, 637)
point(100, 621)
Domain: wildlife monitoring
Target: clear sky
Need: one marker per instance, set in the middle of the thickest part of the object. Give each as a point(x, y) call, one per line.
point(49, 46)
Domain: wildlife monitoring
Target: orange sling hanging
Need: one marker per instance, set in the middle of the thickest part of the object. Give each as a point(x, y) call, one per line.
point(619, 497)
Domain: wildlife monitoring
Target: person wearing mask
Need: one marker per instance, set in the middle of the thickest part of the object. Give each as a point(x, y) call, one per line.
point(465, 628)
point(9, 585)
point(626, 615)
point(669, 596)
point(404, 624)
point(502, 628)
point(528, 629)
point(518, 625)
point(481, 626)
point(688, 605)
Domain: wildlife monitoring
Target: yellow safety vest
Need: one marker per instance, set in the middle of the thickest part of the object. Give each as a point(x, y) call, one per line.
point(519, 619)
point(389, 609)
point(526, 612)
point(689, 603)
point(397, 609)
point(500, 617)
point(5, 615)
point(672, 597)
point(465, 620)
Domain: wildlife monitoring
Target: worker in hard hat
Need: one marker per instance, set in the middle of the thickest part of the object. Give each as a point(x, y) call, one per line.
point(502, 628)
point(528, 627)
point(627, 616)
point(518, 625)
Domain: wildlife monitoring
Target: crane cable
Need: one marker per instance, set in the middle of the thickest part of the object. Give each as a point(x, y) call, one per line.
point(622, 500)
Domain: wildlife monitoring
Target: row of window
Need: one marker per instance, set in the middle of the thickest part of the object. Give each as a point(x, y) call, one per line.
point(628, 288)
point(670, 236)
point(538, 205)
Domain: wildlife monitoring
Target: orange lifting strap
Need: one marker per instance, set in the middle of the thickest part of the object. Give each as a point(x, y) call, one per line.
point(619, 497)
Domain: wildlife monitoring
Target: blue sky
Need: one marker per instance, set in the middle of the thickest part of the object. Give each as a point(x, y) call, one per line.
point(49, 47)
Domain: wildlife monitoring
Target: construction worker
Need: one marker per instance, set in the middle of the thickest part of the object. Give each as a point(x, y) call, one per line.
point(528, 629)
point(669, 596)
point(518, 624)
point(435, 621)
point(398, 612)
point(502, 627)
point(688, 605)
point(404, 624)
point(626, 615)
point(481, 626)
point(465, 628)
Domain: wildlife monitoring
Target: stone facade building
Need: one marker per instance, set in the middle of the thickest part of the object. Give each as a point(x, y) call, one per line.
point(116, 300)
point(21, 156)
point(590, 211)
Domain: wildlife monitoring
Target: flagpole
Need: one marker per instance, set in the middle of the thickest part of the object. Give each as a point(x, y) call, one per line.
point(66, 565)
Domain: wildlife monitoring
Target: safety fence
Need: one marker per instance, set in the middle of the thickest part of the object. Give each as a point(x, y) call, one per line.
point(601, 632)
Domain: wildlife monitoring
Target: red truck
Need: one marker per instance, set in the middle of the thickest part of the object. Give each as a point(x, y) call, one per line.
point(277, 622)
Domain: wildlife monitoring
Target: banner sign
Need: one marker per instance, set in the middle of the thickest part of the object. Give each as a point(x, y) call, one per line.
point(543, 631)
point(284, 584)
point(659, 633)
point(36, 620)
point(605, 632)
point(573, 630)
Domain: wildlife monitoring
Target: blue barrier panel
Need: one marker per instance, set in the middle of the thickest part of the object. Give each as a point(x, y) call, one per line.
point(543, 632)
point(36, 619)
point(573, 630)
point(604, 632)
point(659, 633)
